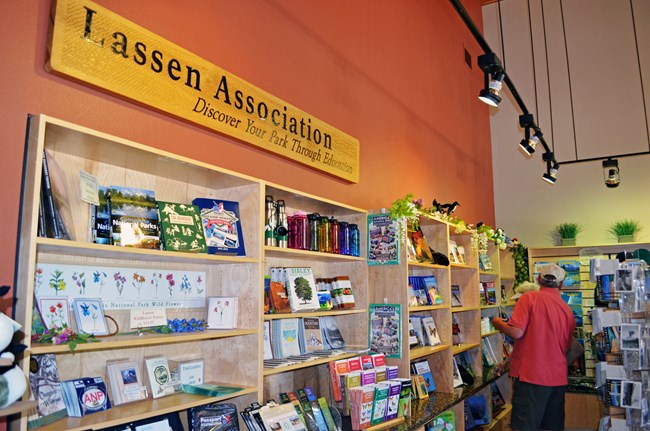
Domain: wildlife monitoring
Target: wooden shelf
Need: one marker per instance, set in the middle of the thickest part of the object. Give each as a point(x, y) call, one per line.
point(17, 407)
point(307, 364)
point(135, 411)
point(428, 308)
point(487, 307)
point(307, 254)
point(427, 265)
point(462, 266)
point(489, 334)
point(463, 347)
point(462, 309)
point(419, 352)
point(315, 314)
point(129, 341)
point(87, 249)
point(490, 273)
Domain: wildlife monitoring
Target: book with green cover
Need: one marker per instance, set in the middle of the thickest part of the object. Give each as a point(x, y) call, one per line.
point(209, 390)
point(379, 404)
point(329, 419)
point(181, 228)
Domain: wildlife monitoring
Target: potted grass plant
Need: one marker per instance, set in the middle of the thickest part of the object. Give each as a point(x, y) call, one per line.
point(625, 230)
point(567, 233)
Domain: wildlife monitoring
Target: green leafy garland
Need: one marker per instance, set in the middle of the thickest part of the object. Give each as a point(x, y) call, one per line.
point(520, 255)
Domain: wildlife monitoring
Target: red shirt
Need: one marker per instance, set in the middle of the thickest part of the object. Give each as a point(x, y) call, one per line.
point(539, 356)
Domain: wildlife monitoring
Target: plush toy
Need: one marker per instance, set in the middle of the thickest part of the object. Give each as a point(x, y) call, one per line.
point(12, 379)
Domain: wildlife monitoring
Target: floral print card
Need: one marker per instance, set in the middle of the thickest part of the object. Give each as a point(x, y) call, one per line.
point(55, 311)
point(89, 315)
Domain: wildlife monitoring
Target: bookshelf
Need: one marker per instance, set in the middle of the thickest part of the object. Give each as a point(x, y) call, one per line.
point(353, 322)
point(115, 161)
point(389, 283)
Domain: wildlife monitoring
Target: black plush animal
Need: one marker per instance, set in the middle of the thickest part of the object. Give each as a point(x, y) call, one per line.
point(439, 258)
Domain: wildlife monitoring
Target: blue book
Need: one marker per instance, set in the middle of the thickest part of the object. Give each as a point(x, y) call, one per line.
point(422, 368)
point(315, 409)
point(221, 225)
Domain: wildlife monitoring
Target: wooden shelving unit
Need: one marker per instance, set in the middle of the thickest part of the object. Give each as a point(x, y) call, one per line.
point(390, 282)
point(115, 161)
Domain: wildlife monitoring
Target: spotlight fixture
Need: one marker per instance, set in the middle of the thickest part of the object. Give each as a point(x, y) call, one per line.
point(493, 78)
point(611, 173)
point(551, 168)
point(529, 142)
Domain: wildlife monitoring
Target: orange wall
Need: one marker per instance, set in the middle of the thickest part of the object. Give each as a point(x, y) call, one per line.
point(391, 74)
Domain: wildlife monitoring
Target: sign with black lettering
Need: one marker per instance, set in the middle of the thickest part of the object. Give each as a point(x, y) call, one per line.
point(96, 46)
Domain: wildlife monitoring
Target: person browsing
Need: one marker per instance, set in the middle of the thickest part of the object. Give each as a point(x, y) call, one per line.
point(542, 326)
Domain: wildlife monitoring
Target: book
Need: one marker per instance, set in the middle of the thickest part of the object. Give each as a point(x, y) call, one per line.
point(336, 369)
point(301, 289)
point(430, 331)
point(490, 293)
point(134, 217)
point(327, 414)
point(422, 368)
point(268, 349)
point(455, 296)
point(125, 381)
point(221, 225)
point(420, 291)
point(419, 386)
point(482, 296)
point(316, 411)
point(420, 245)
point(209, 389)
point(278, 292)
point(406, 386)
point(385, 329)
point(392, 405)
point(213, 417)
point(461, 254)
point(418, 330)
point(478, 409)
point(56, 209)
point(432, 288)
point(313, 336)
point(456, 335)
point(101, 218)
point(361, 402)
point(458, 380)
point(332, 337)
point(453, 252)
point(158, 376)
point(45, 390)
point(280, 417)
point(350, 380)
point(288, 337)
point(85, 395)
point(222, 312)
point(498, 401)
point(379, 403)
point(181, 228)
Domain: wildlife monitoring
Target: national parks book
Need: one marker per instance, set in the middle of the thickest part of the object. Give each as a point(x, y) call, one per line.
point(134, 217)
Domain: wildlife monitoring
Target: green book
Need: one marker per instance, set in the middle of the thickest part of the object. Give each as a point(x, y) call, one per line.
point(181, 228)
point(209, 390)
point(379, 403)
point(329, 420)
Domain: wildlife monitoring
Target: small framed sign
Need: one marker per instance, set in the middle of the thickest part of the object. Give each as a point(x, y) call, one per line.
point(147, 317)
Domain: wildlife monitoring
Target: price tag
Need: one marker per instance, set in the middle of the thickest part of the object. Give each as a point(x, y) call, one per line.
point(147, 317)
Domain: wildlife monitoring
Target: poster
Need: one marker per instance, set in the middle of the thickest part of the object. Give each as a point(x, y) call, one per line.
point(385, 329)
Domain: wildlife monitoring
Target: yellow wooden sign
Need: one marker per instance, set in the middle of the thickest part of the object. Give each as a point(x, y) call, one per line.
point(98, 47)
